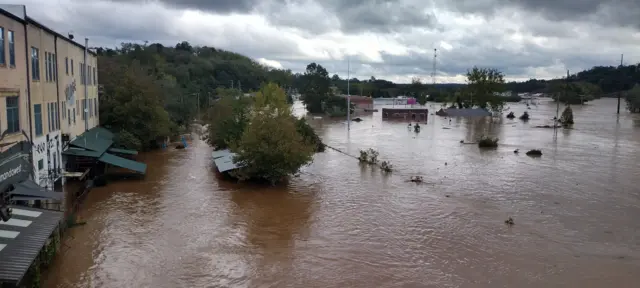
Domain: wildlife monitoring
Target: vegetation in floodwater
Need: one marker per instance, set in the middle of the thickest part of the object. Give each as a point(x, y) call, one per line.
point(309, 135)
point(510, 115)
point(567, 116)
point(416, 128)
point(487, 142)
point(524, 116)
point(632, 97)
point(509, 221)
point(369, 156)
point(271, 144)
point(386, 166)
point(534, 152)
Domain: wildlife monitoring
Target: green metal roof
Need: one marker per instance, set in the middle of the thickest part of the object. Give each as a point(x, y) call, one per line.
point(123, 151)
point(97, 139)
point(124, 163)
point(81, 152)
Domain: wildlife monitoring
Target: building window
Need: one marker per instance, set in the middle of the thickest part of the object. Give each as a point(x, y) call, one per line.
point(69, 118)
point(40, 164)
point(84, 106)
point(95, 106)
point(37, 115)
point(81, 73)
point(2, 60)
point(74, 116)
point(95, 79)
point(64, 109)
point(90, 107)
point(46, 66)
point(89, 75)
point(66, 65)
point(50, 119)
point(56, 108)
point(35, 64)
point(71, 67)
point(13, 114)
point(77, 106)
point(54, 59)
point(12, 48)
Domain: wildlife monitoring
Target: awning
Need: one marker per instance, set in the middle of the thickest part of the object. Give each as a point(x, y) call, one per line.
point(123, 162)
point(81, 152)
point(29, 190)
point(123, 151)
point(96, 139)
point(26, 233)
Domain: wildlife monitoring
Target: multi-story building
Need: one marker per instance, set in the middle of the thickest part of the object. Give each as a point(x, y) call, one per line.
point(63, 96)
point(49, 83)
point(14, 91)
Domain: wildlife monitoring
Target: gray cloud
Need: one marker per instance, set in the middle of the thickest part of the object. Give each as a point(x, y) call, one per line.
point(521, 38)
point(604, 12)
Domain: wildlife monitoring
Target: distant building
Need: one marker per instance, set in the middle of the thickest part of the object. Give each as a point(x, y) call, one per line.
point(414, 114)
point(361, 102)
point(466, 112)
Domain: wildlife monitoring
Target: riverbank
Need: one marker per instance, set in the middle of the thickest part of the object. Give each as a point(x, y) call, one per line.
point(341, 225)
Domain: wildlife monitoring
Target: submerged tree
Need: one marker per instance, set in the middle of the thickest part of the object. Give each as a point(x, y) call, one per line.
point(227, 118)
point(483, 86)
point(632, 97)
point(271, 148)
point(567, 116)
point(315, 88)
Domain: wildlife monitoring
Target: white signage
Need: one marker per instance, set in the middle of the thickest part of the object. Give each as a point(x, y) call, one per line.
point(11, 173)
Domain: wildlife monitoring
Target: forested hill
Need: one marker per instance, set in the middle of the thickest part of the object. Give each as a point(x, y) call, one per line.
point(608, 78)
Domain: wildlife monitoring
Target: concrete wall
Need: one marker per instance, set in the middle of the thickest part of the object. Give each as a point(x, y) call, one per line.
point(13, 80)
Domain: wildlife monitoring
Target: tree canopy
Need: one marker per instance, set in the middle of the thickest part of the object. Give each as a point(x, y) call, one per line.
point(271, 148)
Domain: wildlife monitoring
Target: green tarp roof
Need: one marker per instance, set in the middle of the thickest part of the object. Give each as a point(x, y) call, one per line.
point(123, 151)
point(81, 152)
point(124, 163)
point(96, 139)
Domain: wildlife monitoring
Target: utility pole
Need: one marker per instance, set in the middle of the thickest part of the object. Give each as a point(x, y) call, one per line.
point(433, 73)
point(86, 87)
point(622, 83)
point(348, 93)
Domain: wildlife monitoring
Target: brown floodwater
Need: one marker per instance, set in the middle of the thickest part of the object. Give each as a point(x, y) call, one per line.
point(576, 212)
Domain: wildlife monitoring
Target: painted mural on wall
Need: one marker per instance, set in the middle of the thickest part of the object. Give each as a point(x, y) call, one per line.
point(70, 92)
point(47, 158)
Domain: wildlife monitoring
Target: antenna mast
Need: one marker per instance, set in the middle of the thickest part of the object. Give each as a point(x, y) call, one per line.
point(433, 72)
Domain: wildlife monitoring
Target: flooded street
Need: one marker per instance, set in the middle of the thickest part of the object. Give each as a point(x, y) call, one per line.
point(576, 212)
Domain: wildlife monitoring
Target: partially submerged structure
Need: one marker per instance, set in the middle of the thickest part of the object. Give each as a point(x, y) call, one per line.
point(223, 161)
point(415, 114)
point(93, 148)
point(464, 112)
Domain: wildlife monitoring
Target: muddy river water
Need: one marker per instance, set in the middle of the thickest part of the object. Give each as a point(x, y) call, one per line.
point(576, 211)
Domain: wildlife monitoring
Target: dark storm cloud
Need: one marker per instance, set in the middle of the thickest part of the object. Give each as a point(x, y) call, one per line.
point(212, 6)
point(353, 15)
point(604, 12)
point(379, 15)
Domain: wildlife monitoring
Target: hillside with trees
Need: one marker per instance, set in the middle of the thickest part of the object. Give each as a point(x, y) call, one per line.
point(154, 91)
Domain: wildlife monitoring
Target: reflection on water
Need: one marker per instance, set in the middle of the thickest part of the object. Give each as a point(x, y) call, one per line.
point(343, 225)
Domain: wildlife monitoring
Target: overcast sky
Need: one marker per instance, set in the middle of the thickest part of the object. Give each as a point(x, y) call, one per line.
point(390, 39)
